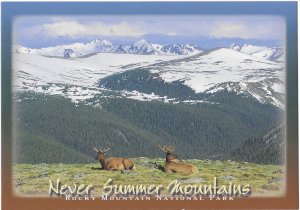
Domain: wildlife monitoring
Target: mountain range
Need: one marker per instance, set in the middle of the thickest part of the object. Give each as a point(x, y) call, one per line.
point(148, 71)
point(141, 47)
point(209, 104)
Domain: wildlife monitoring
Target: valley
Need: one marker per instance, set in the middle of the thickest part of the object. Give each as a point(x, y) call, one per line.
point(209, 104)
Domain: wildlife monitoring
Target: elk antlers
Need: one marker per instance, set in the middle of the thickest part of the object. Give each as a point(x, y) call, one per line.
point(101, 150)
point(166, 148)
point(95, 148)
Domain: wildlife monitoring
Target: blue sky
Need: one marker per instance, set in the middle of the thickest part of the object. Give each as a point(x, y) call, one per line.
point(42, 31)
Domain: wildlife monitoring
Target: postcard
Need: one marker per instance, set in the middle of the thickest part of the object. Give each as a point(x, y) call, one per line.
point(149, 105)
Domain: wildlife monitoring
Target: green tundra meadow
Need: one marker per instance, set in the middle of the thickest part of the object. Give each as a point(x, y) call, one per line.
point(264, 180)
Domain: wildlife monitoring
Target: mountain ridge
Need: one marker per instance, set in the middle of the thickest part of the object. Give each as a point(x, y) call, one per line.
point(141, 47)
point(220, 69)
point(275, 54)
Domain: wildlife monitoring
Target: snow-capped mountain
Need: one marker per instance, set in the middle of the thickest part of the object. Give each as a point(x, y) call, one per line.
point(141, 47)
point(180, 49)
point(247, 48)
point(145, 48)
point(273, 54)
point(270, 53)
point(72, 50)
point(208, 72)
point(204, 71)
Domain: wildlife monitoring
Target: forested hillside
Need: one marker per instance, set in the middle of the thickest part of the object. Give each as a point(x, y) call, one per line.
point(143, 80)
point(51, 129)
point(269, 148)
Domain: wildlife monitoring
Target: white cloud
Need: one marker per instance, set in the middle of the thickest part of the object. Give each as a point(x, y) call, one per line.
point(227, 30)
point(69, 27)
point(247, 29)
point(171, 33)
point(74, 29)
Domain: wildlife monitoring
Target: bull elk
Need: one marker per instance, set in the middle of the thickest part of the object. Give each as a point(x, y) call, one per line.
point(113, 163)
point(171, 164)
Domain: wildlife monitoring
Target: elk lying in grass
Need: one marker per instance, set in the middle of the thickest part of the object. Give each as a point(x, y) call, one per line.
point(171, 164)
point(113, 163)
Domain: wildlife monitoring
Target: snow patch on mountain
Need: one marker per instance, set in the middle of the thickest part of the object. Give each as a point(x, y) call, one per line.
point(52, 75)
point(230, 70)
point(250, 49)
point(273, 54)
point(269, 90)
point(222, 65)
point(270, 53)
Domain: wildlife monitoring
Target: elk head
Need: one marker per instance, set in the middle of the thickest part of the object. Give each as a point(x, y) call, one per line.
point(170, 156)
point(100, 153)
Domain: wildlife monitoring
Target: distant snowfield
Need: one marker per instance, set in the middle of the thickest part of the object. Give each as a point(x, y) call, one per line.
point(39, 70)
point(221, 69)
point(276, 54)
point(271, 53)
point(250, 49)
point(220, 66)
point(34, 72)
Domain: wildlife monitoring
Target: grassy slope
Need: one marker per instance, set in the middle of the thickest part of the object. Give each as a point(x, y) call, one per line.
point(34, 179)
